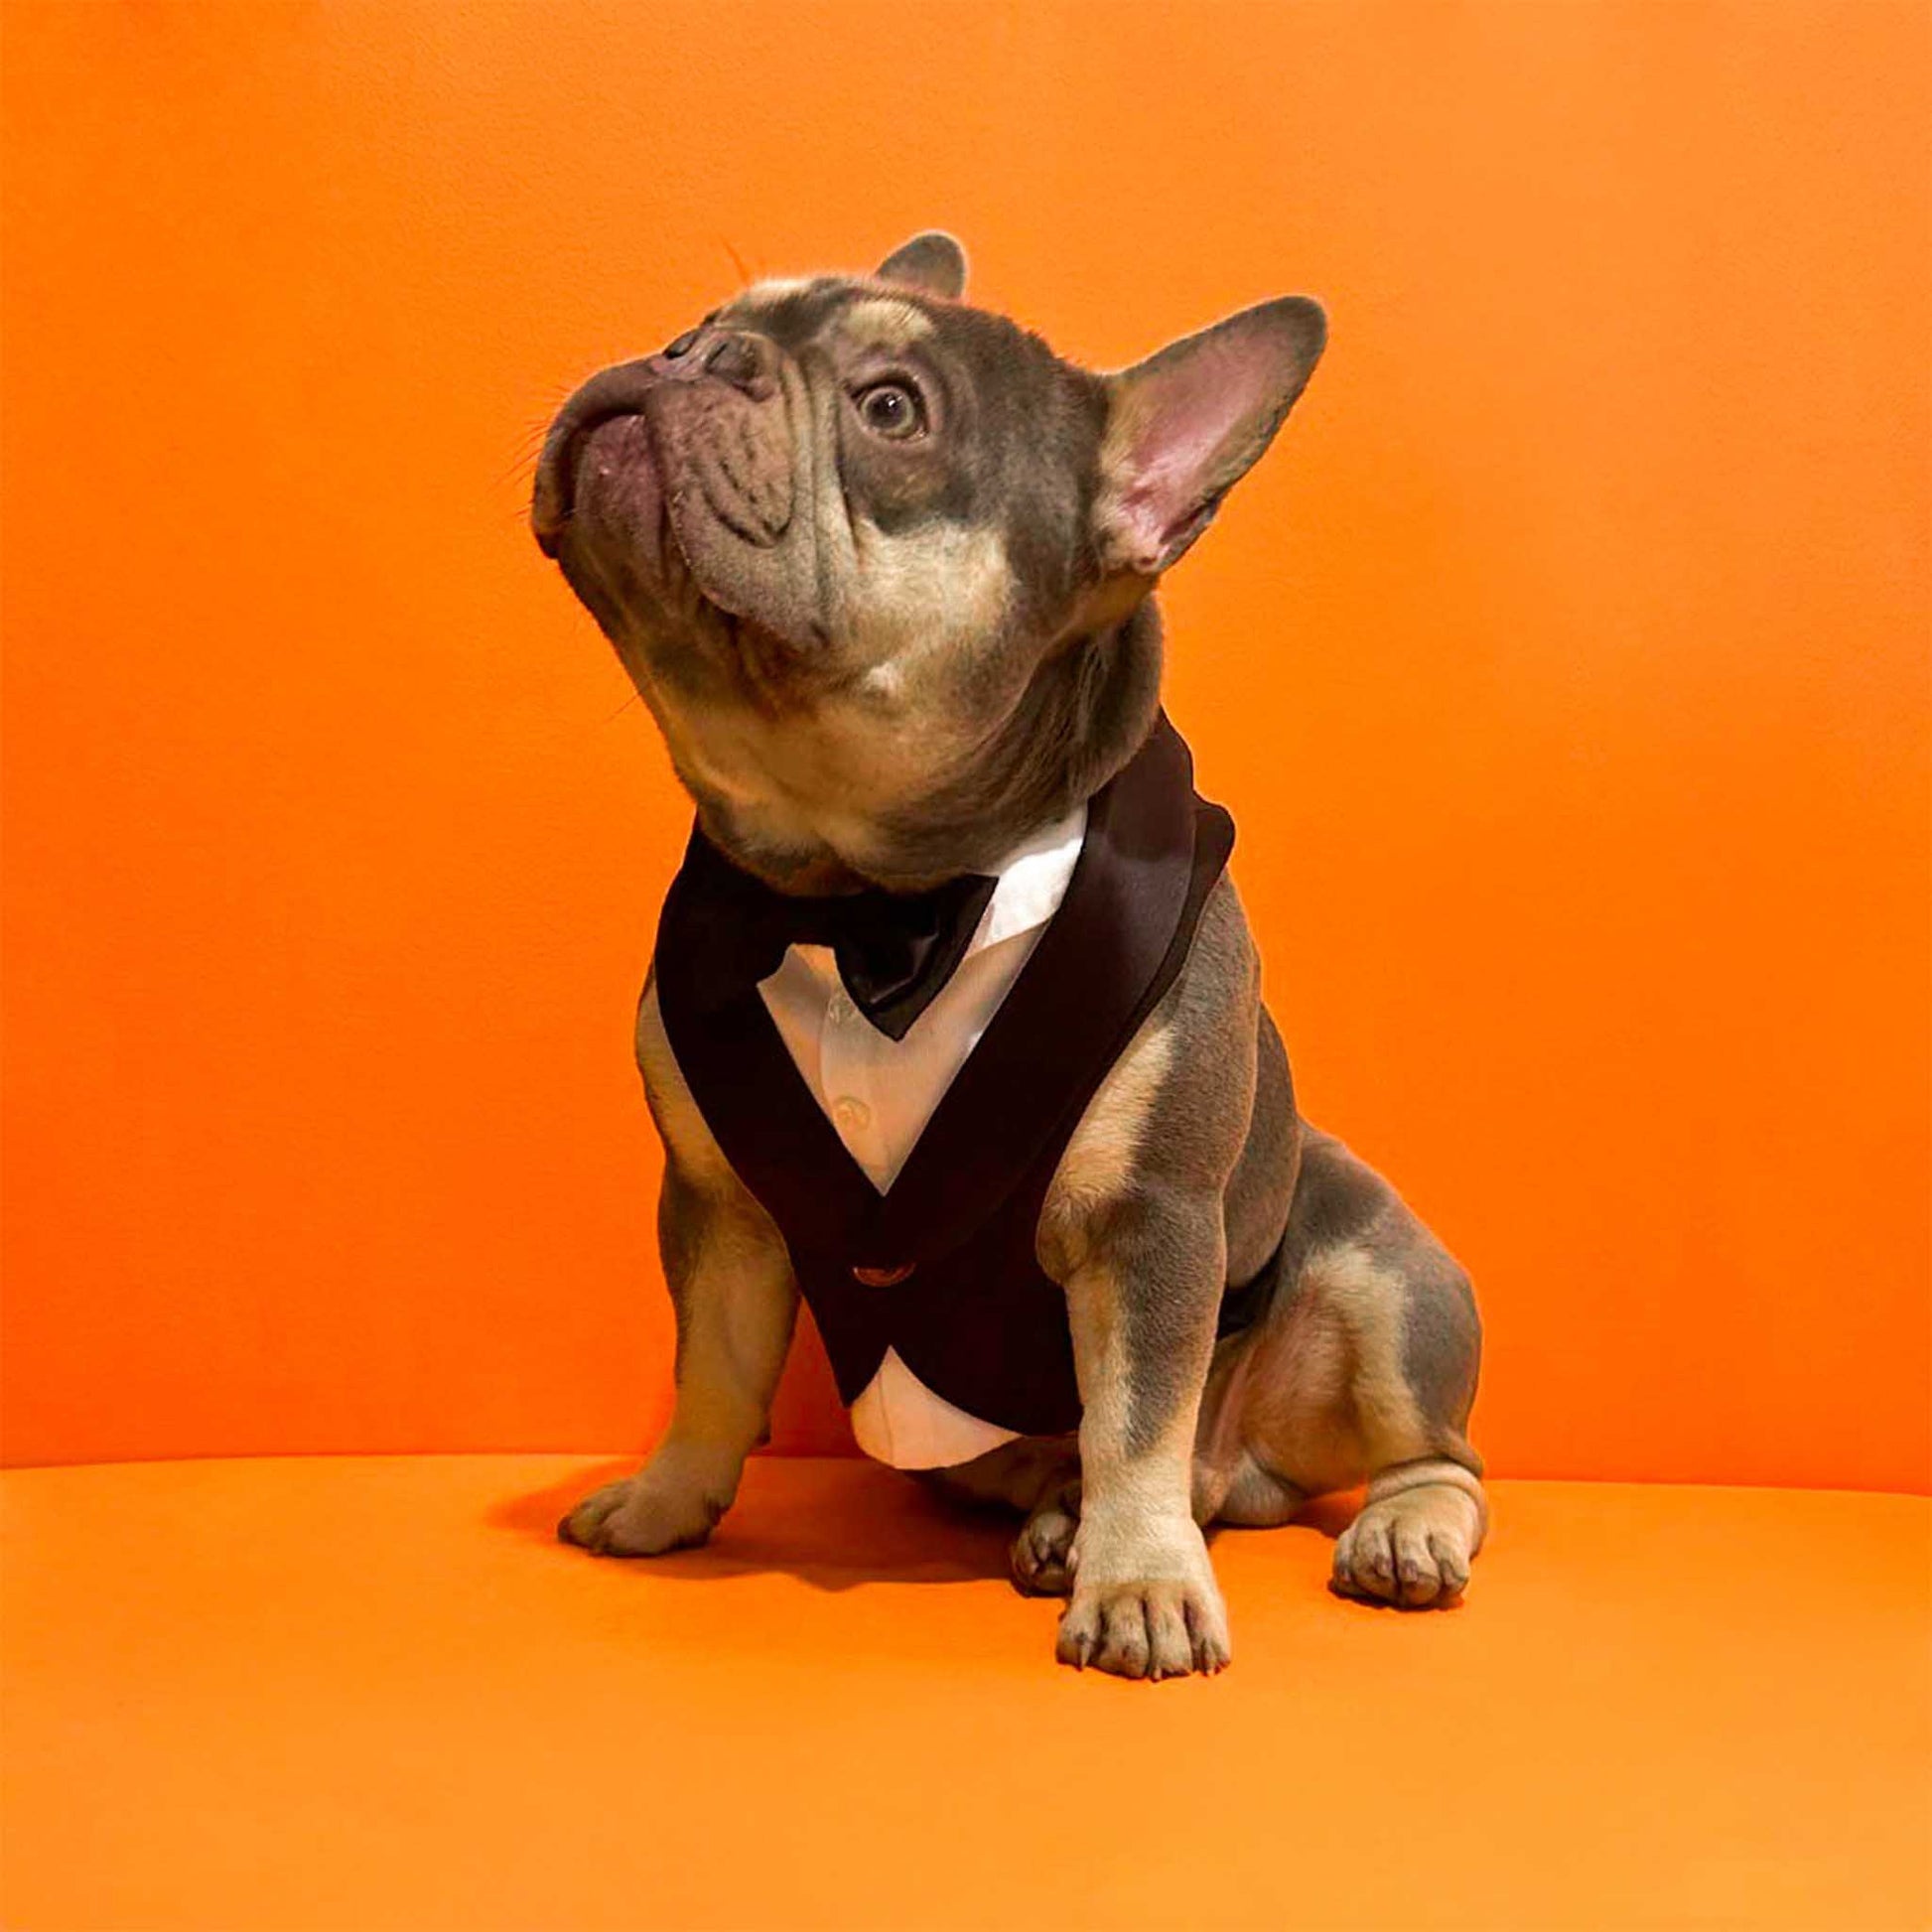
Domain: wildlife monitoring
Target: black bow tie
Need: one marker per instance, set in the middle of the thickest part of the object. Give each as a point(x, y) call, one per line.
point(896, 951)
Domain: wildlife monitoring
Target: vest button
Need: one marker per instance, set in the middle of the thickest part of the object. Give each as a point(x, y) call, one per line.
point(882, 1277)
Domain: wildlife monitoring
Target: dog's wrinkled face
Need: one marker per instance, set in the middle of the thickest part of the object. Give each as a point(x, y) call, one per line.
point(821, 480)
point(870, 554)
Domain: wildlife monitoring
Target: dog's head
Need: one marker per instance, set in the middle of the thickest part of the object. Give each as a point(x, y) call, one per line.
point(880, 562)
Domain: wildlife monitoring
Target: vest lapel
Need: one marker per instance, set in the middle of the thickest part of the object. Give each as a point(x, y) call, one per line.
point(754, 1100)
point(1067, 1014)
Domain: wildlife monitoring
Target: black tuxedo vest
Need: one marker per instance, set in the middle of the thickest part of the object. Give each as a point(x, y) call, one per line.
point(942, 1267)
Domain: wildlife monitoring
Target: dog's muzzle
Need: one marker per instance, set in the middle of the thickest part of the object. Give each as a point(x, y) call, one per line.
point(739, 360)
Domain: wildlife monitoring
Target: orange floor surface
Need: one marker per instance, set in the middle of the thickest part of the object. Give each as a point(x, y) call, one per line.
point(374, 1695)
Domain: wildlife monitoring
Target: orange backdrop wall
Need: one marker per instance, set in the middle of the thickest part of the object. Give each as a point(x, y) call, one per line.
point(1564, 667)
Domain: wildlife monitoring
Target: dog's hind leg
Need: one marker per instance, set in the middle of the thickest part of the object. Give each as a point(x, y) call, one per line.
point(1363, 1368)
point(1038, 1476)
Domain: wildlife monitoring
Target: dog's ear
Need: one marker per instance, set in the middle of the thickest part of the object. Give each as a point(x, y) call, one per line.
point(1187, 424)
point(933, 263)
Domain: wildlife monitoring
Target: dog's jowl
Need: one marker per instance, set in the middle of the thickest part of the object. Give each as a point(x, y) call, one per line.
point(955, 1023)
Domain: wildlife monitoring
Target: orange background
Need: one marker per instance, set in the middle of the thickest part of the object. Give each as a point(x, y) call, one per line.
point(1565, 668)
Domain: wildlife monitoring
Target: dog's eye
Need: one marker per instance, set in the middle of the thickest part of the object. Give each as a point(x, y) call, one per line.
point(891, 409)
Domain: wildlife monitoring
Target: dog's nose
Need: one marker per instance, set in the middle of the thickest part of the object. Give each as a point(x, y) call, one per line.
point(745, 361)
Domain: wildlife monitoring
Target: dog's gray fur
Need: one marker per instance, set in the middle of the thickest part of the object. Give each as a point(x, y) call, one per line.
point(882, 654)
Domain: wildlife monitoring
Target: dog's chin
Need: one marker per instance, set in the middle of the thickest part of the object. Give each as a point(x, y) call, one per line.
point(618, 501)
point(623, 511)
point(621, 515)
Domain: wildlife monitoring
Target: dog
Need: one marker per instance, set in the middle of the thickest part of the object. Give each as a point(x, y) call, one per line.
point(883, 567)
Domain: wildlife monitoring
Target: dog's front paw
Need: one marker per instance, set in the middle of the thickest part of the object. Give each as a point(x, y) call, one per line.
point(1152, 1629)
point(642, 1516)
point(1166, 1622)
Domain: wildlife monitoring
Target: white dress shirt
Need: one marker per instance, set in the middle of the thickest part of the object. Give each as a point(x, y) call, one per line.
point(878, 1093)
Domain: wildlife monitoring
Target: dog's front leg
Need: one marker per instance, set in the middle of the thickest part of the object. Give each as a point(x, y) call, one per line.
point(1133, 1228)
point(1144, 1602)
point(735, 1299)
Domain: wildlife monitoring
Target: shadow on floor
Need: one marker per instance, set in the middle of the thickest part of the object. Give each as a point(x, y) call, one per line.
point(833, 1524)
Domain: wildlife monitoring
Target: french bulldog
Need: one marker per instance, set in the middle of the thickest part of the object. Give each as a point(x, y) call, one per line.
point(883, 567)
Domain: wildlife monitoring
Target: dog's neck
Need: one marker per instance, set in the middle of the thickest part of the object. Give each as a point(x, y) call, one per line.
point(1082, 716)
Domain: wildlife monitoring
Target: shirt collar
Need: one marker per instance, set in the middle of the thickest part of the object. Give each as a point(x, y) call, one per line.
point(1032, 880)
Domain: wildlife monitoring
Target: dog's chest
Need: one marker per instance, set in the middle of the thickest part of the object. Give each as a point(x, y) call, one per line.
point(878, 1093)
point(941, 1269)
